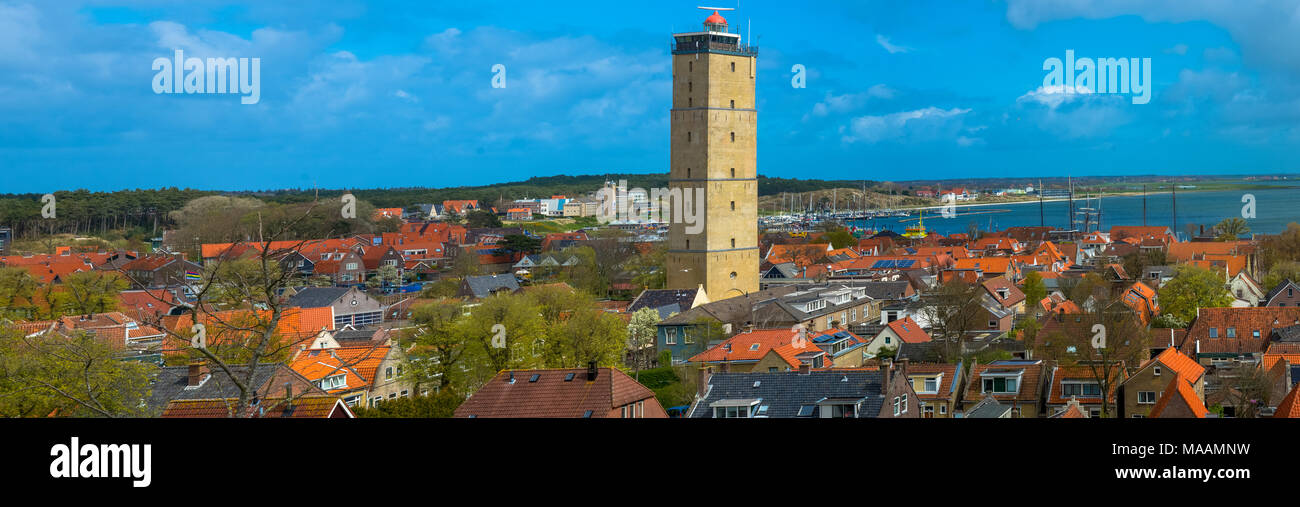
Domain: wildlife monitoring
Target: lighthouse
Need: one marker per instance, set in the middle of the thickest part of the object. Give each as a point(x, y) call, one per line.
point(713, 145)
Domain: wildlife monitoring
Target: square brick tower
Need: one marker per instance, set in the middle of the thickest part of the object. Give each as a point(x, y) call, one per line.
point(714, 146)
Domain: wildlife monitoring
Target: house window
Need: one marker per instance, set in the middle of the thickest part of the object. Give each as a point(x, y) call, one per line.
point(624, 412)
point(670, 336)
point(1004, 385)
point(353, 400)
point(1155, 371)
point(772, 369)
point(388, 373)
point(886, 340)
point(1214, 332)
point(897, 405)
point(392, 396)
point(806, 410)
point(993, 324)
point(730, 412)
point(943, 409)
point(1232, 332)
point(932, 385)
point(904, 403)
point(334, 382)
point(1146, 397)
point(1087, 389)
point(640, 408)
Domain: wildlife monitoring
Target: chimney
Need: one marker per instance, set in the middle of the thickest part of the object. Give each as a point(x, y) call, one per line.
point(902, 366)
point(591, 371)
point(288, 390)
point(198, 371)
point(805, 368)
point(726, 367)
point(886, 373)
point(702, 381)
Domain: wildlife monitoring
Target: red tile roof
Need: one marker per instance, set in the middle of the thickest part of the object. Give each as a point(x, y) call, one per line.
point(1289, 408)
point(1244, 321)
point(553, 396)
point(746, 346)
point(909, 331)
point(311, 407)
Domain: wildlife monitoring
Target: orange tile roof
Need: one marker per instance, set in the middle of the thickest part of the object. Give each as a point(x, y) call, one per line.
point(1266, 363)
point(800, 254)
point(1179, 391)
point(1184, 366)
point(908, 330)
point(747, 346)
point(360, 364)
point(1289, 408)
point(553, 396)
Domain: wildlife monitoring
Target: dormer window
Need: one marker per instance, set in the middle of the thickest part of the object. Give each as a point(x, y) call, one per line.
point(1000, 384)
point(334, 382)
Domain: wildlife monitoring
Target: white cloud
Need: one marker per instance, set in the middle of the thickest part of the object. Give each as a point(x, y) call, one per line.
point(919, 125)
point(891, 48)
point(835, 104)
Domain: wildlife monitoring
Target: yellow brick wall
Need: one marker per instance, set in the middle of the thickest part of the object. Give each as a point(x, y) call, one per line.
point(704, 154)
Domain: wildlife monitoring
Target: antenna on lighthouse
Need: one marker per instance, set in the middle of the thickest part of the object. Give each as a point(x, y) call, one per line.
point(715, 8)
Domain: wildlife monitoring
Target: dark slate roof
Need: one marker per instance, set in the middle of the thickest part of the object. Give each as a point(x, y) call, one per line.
point(1276, 290)
point(317, 297)
point(352, 336)
point(884, 290)
point(785, 392)
point(484, 286)
point(659, 298)
point(1287, 334)
point(171, 384)
point(988, 408)
point(923, 352)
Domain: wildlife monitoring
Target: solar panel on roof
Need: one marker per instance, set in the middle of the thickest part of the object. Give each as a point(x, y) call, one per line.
point(534, 377)
point(568, 377)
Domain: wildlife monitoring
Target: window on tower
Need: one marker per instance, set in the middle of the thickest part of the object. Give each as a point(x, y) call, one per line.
point(733, 172)
point(733, 205)
point(733, 137)
point(690, 66)
point(690, 86)
point(690, 102)
point(688, 172)
point(733, 66)
point(733, 104)
point(733, 242)
point(688, 137)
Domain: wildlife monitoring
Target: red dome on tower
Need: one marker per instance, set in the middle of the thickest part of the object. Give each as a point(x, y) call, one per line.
point(716, 19)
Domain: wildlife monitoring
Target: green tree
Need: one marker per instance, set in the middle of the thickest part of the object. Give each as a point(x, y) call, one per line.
point(477, 219)
point(437, 344)
point(93, 291)
point(588, 334)
point(17, 289)
point(77, 375)
point(642, 334)
point(1232, 228)
point(386, 274)
point(1034, 288)
point(520, 243)
point(1193, 287)
point(519, 343)
point(436, 405)
point(841, 238)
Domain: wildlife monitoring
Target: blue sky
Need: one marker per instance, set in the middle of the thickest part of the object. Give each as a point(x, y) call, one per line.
point(361, 94)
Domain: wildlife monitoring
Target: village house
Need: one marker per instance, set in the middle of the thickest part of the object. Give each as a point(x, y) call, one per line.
point(1080, 384)
point(1138, 393)
point(1019, 383)
point(938, 387)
